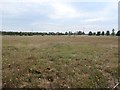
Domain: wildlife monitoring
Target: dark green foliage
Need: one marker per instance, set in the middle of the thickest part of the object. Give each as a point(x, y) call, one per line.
point(90, 33)
point(118, 33)
point(20, 33)
point(70, 33)
point(30, 33)
point(94, 33)
point(103, 33)
point(113, 32)
point(66, 33)
point(107, 33)
point(83, 33)
point(98, 33)
point(79, 33)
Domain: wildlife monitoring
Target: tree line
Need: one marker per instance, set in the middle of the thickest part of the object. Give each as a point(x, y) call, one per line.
point(107, 33)
point(98, 33)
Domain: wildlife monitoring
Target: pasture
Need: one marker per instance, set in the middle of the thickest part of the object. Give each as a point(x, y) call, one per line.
point(59, 61)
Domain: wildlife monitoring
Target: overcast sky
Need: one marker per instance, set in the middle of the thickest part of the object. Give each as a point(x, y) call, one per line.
point(58, 15)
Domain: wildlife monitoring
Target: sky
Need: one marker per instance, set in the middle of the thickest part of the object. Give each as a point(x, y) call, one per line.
point(58, 15)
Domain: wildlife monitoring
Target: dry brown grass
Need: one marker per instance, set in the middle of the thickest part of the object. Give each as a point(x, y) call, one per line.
point(60, 61)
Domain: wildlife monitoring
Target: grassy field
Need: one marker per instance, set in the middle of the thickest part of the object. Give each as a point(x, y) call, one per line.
point(59, 61)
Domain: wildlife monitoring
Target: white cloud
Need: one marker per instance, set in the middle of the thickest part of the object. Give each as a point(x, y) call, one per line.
point(95, 19)
point(14, 9)
point(60, 11)
point(106, 14)
point(63, 11)
point(66, 11)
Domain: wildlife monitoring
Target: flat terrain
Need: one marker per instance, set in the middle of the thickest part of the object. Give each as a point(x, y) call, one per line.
point(60, 61)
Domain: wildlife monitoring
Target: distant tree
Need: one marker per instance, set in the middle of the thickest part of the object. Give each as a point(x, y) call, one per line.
point(118, 33)
point(94, 33)
point(49, 33)
point(21, 34)
point(42, 34)
point(90, 33)
point(103, 33)
point(66, 33)
point(98, 33)
point(107, 33)
point(113, 32)
point(31, 33)
point(79, 33)
point(83, 33)
point(25, 34)
point(70, 33)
